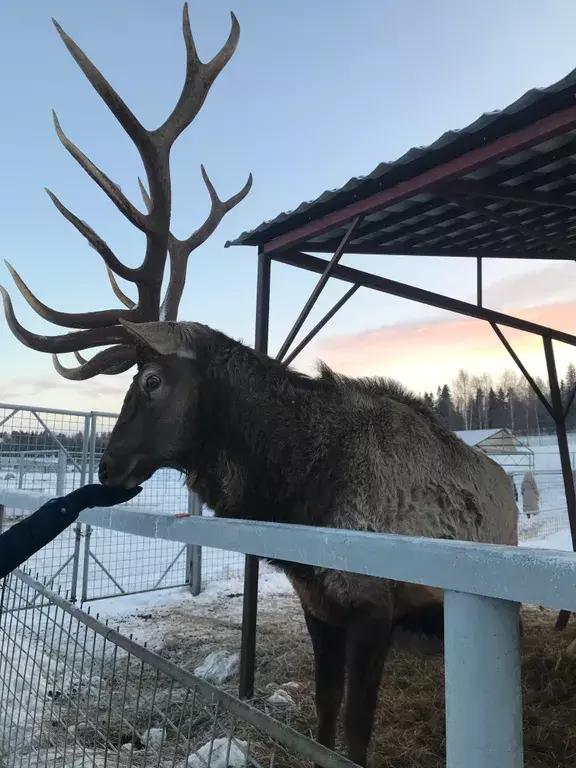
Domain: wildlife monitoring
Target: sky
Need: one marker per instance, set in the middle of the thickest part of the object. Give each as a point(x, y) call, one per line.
point(316, 93)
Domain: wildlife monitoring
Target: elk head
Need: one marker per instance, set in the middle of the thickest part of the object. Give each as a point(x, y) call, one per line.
point(105, 328)
point(159, 418)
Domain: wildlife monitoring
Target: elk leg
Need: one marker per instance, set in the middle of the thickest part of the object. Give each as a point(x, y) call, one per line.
point(329, 645)
point(367, 643)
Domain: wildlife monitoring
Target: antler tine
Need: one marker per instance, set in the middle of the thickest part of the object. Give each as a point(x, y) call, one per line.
point(218, 210)
point(180, 250)
point(117, 106)
point(99, 245)
point(98, 319)
point(67, 342)
point(110, 362)
point(118, 292)
point(199, 78)
point(107, 185)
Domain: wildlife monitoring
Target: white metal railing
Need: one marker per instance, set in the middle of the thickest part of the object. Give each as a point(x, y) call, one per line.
point(484, 587)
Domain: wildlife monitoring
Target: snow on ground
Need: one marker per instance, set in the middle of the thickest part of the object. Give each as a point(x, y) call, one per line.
point(561, 540)
point(220, 599)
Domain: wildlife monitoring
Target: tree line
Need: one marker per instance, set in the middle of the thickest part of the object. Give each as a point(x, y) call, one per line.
point(18, 440)
point(508, 402)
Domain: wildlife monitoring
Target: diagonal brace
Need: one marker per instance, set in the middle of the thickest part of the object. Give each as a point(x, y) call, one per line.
point(319, 287)
point(319, 325)
point(537, 391)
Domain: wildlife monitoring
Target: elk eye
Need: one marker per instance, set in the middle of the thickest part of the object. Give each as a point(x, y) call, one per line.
point(152, 383)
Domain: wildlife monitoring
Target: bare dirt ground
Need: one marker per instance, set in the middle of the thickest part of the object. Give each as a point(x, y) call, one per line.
point(409, 730)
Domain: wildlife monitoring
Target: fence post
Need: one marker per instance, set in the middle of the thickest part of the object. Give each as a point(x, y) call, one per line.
point(483, 689)
point(78, 528)
point(90, 479)
point(194, 551)
point(61, 474)
point(2, 511)
point(21, 469)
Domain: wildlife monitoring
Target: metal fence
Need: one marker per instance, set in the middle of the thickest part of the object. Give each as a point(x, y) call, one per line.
point(52, 452)
point(483, 585)
point(75, 693)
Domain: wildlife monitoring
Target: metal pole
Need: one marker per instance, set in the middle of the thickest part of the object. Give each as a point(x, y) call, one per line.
point(61, 474)
point(251, 569)
point(563, 447)
point(194, 551)
point(88, 532)
point(21, 469)
point(565, 463)
point(78, 528)
point(2, 512)
point(479, 280)
point(483, 687)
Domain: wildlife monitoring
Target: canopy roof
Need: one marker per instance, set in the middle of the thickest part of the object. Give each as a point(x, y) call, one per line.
point(503, 187)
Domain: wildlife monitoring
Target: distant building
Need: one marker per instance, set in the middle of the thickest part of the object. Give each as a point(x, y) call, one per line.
point(502, 446)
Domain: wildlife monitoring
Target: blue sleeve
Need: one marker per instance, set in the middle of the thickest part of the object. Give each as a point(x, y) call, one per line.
point(28, 536)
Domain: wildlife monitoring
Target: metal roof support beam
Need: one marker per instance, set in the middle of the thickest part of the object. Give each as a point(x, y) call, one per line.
point(541, 130)
point(251, 563)
point(318, 327)
point(516, 195)
point(479, 281)
point(547, 241)
point(318, 288)
point(464, 233)
point(422, 296)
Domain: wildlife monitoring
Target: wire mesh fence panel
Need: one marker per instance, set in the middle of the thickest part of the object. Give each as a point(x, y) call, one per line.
point(74, 692)
point(44, 451)
point(549, 514)
point(124, 563)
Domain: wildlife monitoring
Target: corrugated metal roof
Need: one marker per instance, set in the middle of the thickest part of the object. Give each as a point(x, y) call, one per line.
point(535, 104)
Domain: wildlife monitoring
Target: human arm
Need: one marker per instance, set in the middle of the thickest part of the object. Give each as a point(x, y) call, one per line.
point(33, 533)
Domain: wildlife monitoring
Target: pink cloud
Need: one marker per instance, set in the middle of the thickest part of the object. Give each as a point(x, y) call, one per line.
point(462, 340)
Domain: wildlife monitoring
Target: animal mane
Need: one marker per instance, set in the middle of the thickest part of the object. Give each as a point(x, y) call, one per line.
point(379, 387)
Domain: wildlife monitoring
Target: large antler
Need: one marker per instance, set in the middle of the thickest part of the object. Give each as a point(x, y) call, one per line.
point(102, 328)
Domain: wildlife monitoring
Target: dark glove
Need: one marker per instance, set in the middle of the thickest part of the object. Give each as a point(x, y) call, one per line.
point(96, 495)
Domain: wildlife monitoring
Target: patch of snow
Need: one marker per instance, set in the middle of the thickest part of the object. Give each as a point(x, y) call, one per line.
point(281, 698)
point(154, 737)
point(218, 667)
point(560, 540)
point(223, 753)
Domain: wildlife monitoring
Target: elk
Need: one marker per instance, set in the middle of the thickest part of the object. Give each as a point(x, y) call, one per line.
point(259, 440)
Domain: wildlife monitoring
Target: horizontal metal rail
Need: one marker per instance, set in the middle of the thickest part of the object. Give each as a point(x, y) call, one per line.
point(518, 574)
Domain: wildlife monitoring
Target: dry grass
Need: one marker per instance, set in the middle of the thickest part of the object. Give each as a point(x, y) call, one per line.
point(409, 727)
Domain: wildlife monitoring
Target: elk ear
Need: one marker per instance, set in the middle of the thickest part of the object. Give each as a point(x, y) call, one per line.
point(167, 337)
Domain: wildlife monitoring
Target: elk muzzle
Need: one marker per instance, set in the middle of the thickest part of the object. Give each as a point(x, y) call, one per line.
point(126, 472)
